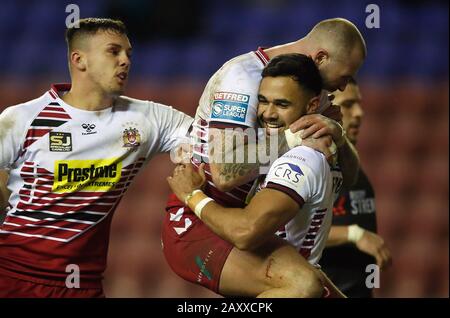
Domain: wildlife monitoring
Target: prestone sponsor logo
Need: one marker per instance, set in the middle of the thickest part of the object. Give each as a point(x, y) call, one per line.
point(88, 175)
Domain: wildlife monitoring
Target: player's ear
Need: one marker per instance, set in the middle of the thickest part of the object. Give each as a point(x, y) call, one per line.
point(313, 105)
point(78, 60)
point(321, 56)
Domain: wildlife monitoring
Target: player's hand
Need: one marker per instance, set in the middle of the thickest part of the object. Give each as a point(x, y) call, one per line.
point(317, 125)
point(373, 244)
point(323, 145)
point(185, 180)
point(182, 154)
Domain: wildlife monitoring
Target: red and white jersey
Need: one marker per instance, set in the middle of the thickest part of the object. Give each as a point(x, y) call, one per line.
point(230, 100)
point(305, 175)
point(69, 169)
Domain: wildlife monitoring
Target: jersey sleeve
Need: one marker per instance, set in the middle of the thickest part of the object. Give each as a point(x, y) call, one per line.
point(233, 98)
point(291, 175)
point(173, 126)
point(11, 133)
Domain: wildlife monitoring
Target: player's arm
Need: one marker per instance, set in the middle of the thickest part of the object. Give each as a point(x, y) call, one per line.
point(236, 163)
point(348, 160)
point(173, 126)
point(238, 155)
point(10, 132)
point(317, 126)
point(245, 228)
point(4, 193)
point(338, 236)
point(366, 241)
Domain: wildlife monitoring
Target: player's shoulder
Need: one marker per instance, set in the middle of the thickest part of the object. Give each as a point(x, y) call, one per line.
point(306, 157)
point(243, 66)
point(126, 103)
point(149, 110)
point(27, 110)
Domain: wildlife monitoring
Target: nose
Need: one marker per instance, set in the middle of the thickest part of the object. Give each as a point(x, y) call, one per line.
point(270, 112)
point(357, 110)
point(124, 60)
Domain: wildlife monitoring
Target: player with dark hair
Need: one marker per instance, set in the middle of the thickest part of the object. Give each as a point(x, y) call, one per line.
point(353, 243)
point(229, 101)
point(244, 256)
point(71, 155)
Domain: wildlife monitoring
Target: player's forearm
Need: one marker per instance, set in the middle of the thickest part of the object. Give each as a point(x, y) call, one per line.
point(245, 228)
point(233, 225)
point(250, 227)
point(338, 235)
point(227, 176)
point(240, 163)
point(349, 162)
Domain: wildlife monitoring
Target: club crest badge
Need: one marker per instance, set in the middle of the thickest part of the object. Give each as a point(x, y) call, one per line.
point(131, 138)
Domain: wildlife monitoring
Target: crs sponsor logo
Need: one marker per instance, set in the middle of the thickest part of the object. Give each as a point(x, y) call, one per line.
point(288, 172)
point(230, 106)
point(88, 175)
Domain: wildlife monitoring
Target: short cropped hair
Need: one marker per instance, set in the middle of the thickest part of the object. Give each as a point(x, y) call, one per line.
point(341, 34)
point(90, 26)
point(299, 67)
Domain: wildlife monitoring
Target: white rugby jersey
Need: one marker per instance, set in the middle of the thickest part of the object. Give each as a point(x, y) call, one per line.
point(305, 175)
point(69, 169)
point(230, 99)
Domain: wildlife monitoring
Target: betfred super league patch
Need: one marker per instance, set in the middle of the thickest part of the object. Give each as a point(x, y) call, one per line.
point(230, 106)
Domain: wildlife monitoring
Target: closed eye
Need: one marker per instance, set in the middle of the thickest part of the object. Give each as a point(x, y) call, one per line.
point(262, 99)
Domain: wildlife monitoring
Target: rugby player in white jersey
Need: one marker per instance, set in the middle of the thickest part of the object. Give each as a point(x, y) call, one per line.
point(230, 100)
point(297, 194)
point(71, 155)
point(230, 97)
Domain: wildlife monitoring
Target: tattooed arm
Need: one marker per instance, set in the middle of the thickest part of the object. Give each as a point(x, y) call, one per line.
point(236, 155)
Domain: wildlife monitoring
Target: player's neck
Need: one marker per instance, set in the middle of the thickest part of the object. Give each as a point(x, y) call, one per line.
point(299, 46)
point(87, 99)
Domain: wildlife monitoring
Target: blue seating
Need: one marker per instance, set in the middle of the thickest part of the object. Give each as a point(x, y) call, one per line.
point(412, 40)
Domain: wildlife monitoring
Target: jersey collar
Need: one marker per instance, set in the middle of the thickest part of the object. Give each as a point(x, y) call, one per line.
point(263, 57)
point(56, 89)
